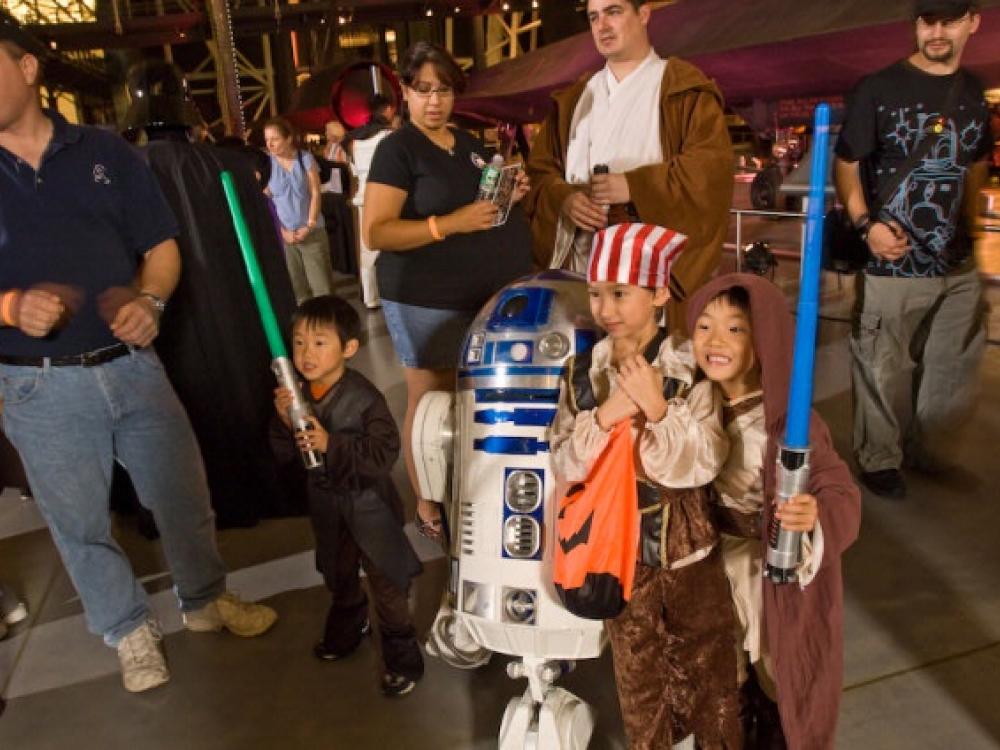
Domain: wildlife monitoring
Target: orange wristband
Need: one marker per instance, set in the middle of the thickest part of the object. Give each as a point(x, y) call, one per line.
point(7, 306)
point(435, 232)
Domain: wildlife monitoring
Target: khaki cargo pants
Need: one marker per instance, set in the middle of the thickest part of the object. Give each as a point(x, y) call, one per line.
point(916, 346)
point(309, 266)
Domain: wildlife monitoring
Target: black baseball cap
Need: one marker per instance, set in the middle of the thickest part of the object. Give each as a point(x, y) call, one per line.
point(942, 8)
point(12, 31)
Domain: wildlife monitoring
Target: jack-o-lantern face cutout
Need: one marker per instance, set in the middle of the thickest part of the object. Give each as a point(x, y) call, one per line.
point(582, 535)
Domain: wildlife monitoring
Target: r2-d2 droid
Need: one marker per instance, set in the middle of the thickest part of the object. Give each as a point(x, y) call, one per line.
point(501, 504)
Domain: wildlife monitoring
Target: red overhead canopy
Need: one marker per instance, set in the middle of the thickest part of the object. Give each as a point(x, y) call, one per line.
point(761, 49)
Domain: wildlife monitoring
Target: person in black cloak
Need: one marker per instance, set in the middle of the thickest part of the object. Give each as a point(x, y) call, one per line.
point(211, 340)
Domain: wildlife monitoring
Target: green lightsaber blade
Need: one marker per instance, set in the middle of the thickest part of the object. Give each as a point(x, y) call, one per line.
point(271, 330)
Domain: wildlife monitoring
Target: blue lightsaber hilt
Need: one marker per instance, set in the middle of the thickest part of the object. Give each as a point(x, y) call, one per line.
point(793, 456)
point(783, 546)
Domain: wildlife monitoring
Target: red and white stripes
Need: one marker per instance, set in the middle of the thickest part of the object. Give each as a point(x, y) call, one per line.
point(637, 254)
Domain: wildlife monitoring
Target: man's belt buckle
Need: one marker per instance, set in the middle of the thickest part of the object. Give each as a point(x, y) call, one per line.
point(100, 356)
point(91, 359)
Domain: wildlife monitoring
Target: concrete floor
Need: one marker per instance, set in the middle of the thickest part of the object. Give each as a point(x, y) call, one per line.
point(922, 624)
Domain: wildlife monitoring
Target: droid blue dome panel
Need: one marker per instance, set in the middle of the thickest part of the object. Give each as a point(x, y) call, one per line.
point(524, 309)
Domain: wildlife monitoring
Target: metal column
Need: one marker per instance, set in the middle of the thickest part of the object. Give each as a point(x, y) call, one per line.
point(229, 80)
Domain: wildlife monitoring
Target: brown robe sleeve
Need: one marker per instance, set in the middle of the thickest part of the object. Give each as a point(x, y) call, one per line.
point(837, 496)
point(691, 190)
point(546, 167)
point(805, 625)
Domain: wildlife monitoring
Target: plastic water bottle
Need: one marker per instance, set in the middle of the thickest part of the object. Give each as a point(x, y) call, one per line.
point(490, 180)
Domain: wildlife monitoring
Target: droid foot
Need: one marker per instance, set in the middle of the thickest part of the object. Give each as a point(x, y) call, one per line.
point(562, 722)
point(451, 642)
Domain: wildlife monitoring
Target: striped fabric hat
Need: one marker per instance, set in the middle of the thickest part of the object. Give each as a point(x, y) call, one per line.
point(637, 254)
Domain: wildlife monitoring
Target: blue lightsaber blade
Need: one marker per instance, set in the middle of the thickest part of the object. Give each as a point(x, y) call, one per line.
point(793, 455)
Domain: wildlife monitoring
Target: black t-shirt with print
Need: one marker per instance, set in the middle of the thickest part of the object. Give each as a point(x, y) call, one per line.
point(462, 271)
point(888, 114)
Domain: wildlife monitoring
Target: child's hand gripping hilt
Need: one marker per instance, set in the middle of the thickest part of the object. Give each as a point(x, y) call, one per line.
point(300, 411)
point(784, 547)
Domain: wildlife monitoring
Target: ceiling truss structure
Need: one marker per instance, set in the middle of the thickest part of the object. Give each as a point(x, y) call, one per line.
point(82, 29)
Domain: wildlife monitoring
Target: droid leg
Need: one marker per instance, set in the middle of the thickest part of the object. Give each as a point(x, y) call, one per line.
point(545, 717)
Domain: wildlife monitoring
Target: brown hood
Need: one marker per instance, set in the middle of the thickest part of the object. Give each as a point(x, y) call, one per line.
point(681, 76)
point(773, 336)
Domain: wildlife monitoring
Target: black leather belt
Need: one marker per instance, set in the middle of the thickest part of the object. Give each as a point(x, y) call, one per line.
point(87, 359)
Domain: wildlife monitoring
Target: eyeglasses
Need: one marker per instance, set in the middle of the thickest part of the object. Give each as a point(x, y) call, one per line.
point(425, 90)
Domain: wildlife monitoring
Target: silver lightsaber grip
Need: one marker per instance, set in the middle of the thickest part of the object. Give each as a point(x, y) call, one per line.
point(300, 411)
point(784, 547)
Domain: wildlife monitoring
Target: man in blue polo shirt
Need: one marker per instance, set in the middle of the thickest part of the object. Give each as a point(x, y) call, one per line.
point(87, 262)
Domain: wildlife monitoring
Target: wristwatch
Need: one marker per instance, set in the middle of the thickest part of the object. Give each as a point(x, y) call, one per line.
point(158, 302)
point(863, 226)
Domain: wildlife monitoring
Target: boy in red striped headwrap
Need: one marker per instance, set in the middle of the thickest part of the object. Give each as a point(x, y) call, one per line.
point(673, 645)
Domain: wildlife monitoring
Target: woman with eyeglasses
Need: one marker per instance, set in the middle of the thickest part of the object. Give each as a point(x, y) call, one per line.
point(442, 258)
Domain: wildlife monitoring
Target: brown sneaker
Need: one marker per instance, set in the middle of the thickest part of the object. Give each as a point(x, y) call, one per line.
point(245, 619)
point(141, 658)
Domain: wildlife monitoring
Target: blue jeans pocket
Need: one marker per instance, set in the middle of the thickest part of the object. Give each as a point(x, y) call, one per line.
point(148, 358)
point(18, 389)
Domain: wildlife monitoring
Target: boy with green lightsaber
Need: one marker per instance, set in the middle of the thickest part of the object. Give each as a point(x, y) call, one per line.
point(348, 438)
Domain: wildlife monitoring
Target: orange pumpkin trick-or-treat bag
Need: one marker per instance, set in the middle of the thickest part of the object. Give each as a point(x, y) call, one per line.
point(597, 533)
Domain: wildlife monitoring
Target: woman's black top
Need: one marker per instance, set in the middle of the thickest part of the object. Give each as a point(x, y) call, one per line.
point(461, 271)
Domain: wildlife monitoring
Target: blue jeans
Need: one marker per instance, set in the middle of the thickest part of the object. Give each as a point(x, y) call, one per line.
point(69, 424)
point(427, 338)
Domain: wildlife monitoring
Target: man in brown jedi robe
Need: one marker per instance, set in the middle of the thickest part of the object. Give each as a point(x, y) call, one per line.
point(658, 125)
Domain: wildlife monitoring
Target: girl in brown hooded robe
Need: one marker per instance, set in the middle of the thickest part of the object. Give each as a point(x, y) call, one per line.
point(743, 337)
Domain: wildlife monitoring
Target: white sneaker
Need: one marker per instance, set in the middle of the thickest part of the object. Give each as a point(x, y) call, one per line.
point(245, 619)
point(12, 609)
point(141, 657)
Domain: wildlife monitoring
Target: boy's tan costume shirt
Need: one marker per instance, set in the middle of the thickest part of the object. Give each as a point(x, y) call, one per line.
point(690, 191)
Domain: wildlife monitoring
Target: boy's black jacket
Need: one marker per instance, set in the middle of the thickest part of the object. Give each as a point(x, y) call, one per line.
point(362, 448)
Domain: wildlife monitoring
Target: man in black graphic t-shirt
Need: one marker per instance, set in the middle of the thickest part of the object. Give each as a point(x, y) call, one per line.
point(918, 331)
